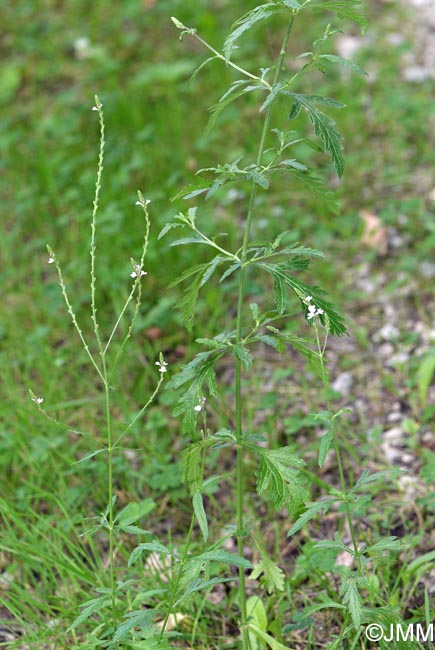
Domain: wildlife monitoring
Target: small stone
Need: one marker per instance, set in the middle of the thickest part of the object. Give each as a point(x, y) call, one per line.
point(427, 269)
point(416, 74)
point(395, 39)
point(388, 332)
point(386, 350)
point(343, 383)
point(394, 435)
point(398, 358)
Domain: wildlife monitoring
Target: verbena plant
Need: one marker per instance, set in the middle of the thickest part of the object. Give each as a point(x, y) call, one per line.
point(128, 615)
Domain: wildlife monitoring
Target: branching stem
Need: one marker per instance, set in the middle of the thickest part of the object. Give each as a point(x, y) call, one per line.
point(240, 483)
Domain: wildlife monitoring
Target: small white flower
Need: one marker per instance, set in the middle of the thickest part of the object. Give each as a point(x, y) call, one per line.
point(145, 202)
point(307, 299)
point(137, 272)
point(313, 312)
point(162, 366)
point(37, 400)
point(94, 108)
point(199, 406)
point(51, 260)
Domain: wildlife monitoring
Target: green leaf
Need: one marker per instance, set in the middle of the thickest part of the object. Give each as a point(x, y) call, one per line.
point(152, 547)
point(272, 95)
point(425, 562)
point(324, 126)
point(235, 91)
point(311, 511)
point(198, 508)
point(302, 345)
point(291, 4)
point(243, 354)
point(325, 445)
point(272, 575)
point(140, 618)
point(187, 240)
point(134, 511)
point(315, 184)
point(256, 616)
point(133, 530)
point(225, 557)
point(188, 302)
point(351, 597)
point(246, 22)
point(257, 612)
point(198, 371)
point(390, 543)
point(271, 642)
point(343, 8)
point(291, 162)
point(366, 477)
point(88, 608)
point(199, 585)
point(230, 270)
point(191, 462)
point(168, 227)
point(344, 62)
point(334, 321)
point(425, 374)
point(258, 178)
point(90, 455)
point(278, 479)
point(280, 290)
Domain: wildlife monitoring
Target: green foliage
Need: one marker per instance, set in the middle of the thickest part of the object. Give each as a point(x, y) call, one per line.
point(269, 573)
point(324, 126)
point(352, 598)
point(198, 508)
point(343, 8)
point(124, 613)
point(279, 479)
point(425, 373)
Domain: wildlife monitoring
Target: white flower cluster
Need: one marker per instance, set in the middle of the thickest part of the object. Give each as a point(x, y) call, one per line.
point(37, 400)
point(162, 366)
point(137, 271)
point(313, 311)
point(200, 406)
point(143, 202)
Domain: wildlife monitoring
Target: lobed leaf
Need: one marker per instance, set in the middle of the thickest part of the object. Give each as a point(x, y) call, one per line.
point(88, 608)
point(343, 8)
point(324, 126)
point(272, 576)
point(279, 479)
point(350, 65)
point(352, 598)
point(246, 22)
point(311, 511)
point(140, 618)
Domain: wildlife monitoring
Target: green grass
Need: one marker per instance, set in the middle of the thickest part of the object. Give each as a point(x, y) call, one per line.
point(155, 142)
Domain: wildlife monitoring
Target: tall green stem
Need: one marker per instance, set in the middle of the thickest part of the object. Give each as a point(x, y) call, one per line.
point(337, 450)
point(111, 522)
point(239, 337)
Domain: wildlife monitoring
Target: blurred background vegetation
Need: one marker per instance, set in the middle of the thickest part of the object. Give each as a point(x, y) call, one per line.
point(55, 56)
